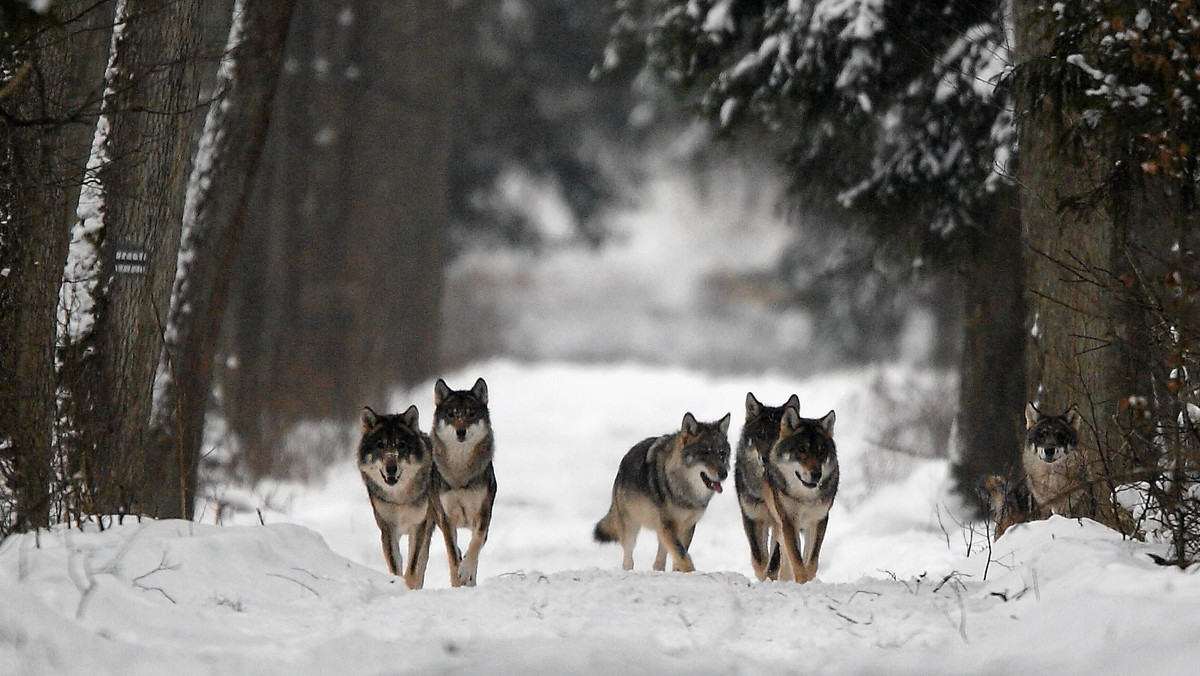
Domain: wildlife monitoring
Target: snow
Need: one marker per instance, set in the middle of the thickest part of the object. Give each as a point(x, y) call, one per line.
point(901, 589)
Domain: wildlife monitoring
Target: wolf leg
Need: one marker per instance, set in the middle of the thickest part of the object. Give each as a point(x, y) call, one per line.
point(812, 547)
point(629, 533)
point(479, 534)
point(391, 550)
point(686, 540)
point(450, 537)
point(419, 538)
point(756, 535)
point(670, 540)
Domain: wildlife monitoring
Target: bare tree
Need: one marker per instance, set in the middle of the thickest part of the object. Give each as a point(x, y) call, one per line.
point(143, 142)
point(213, 227)
point(48, 107)
point(340, 289)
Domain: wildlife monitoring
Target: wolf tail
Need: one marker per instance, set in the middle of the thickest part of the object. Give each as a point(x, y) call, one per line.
point(608, 528)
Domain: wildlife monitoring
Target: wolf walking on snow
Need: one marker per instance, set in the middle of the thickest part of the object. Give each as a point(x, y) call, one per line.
point(395, 460)
point(464, 479)
point(800, 481)
point(664, 484)
point(759, 434)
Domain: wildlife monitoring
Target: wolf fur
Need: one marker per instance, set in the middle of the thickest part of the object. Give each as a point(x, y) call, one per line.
point(664, 484)
point(800, 481)
point(395, 460)
point(465, 482)
point(759, 433)
point(1053, 463)
point(1009, 502)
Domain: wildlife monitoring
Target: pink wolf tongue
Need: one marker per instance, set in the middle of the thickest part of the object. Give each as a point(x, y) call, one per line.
point(716, 486)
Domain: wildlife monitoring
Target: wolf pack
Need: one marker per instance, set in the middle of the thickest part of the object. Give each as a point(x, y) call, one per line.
point(786, 479)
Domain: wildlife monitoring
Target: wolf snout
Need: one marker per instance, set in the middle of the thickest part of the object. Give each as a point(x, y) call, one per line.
point(1049, 453)
point(460, 433)
point(391, 472)
point(812, 479)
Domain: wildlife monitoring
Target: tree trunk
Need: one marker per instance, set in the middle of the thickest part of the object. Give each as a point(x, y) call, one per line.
point(149, 109)
point(991, 377)
point(1075, 353)
point(214, 221)
point(402, 134)
point(46, 117)
point(338, 296)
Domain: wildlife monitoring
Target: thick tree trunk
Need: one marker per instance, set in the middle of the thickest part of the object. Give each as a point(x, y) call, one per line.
point(339, 293)
point(401, 136)
point(150, 110)
point(1074, 248)
point(46, 118)
point(215, 220)
point(991, 374)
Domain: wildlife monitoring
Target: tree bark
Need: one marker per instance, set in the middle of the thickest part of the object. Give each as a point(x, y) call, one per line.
point(47, 116)
point(991, 374)
point(215, 220)
point(150, 109)
point(1074, 248)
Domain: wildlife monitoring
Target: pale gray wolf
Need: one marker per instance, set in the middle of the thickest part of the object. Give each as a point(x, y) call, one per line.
point(465, 482)
point(1009, 502)
point(664, 484)
point(1053, 463)
point(396, 461)
point(759, 433)
point(800, 481)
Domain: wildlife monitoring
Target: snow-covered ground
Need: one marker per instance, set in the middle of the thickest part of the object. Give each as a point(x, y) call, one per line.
point(903, 588)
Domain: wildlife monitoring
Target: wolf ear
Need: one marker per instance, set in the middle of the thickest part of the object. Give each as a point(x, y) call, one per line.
point(480, 390)
point(368, 419)
point(1032, 415)
point(753, 407)
point(827, 423)
point(410, 416)
point(789, 422)
point(1073, 417)
point(723, 424)
point(440, 391)
point(794, 402)
point(689, 426)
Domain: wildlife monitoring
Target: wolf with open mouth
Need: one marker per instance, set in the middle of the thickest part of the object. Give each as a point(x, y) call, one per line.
point(664, 484)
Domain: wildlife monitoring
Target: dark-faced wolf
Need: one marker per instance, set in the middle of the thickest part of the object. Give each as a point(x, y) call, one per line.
point(664, 484)
point(463, 447)
point(396, 460)
point(760, 432)
point(800, 481)
point(1053, 464)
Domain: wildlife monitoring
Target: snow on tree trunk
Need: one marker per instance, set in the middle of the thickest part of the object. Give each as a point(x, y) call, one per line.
point(109, 365)
point(41, 171)
point(213, 223)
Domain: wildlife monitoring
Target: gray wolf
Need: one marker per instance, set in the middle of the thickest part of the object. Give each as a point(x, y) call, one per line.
point(664, 484)
point(1053, 464)
point(759, 433)
point(395, 460)
point(465, 482)
point(800, 481)
point(1009, 502)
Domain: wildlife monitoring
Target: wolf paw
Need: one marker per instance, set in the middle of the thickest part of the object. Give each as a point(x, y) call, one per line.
point(466, 573)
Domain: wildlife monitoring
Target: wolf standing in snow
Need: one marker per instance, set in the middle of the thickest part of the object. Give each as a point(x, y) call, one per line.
point(800, 481)
point(465, 482)
point(664, 484)
point(1053, 463)
point(396, 460)
point(759, 433)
